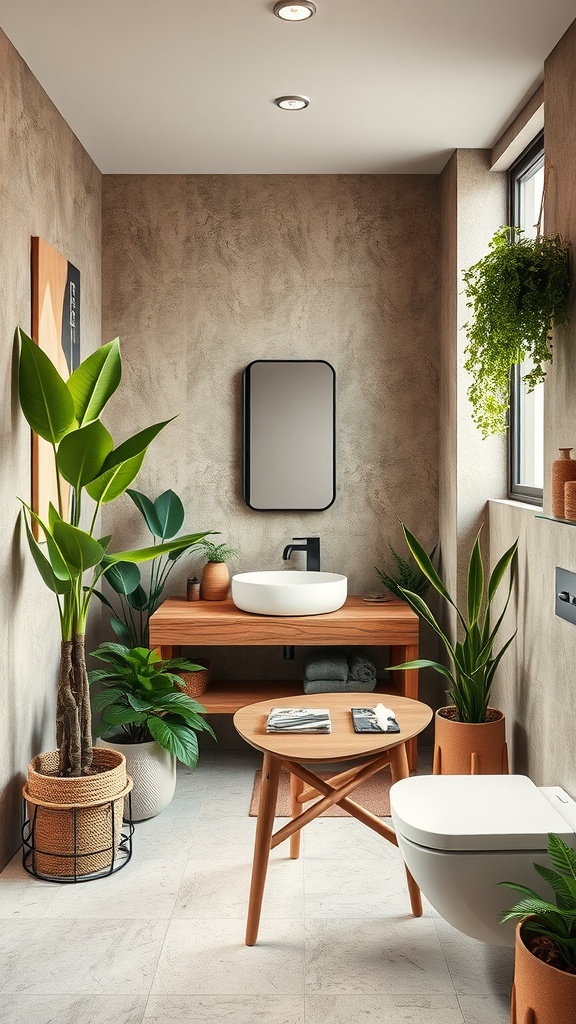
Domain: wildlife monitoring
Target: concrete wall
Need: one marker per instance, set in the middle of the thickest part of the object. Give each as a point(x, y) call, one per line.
point(48, 187)
point(536, 682)
point(203, 274)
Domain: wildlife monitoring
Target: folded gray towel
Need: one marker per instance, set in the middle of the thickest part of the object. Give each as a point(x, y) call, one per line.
point(325, 686)
point(326, 665)
point(356, 686)
point(361, 668)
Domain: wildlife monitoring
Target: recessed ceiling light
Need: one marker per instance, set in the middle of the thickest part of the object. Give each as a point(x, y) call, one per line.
point(294, 12)
point(292, 102)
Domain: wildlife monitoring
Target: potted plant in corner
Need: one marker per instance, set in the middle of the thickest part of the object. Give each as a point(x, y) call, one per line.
point(544, 989)
point(71, 791)
point(469, 736)
point(147, 717)
point(517, 293)
point(216, 574)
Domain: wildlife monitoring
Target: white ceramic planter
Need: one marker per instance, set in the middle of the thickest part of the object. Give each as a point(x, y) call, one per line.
point(153, 770)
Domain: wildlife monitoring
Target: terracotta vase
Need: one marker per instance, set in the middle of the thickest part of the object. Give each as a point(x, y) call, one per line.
point(461, 748)
point(563, 469)
point(541, 994)
point(216, 581)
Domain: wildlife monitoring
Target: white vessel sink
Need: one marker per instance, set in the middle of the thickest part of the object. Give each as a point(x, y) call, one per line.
point(289, 592)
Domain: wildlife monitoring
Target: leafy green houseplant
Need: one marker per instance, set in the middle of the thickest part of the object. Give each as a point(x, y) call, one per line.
point(66, 413)
point(555, 923)
point(217, 553)
point(138, 599)
point(544, 987)
point(142, 696)
point(472, 660)
point(408, 576)
point(516, 293)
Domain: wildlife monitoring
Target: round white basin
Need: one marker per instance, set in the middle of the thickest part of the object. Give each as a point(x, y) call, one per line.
point(289, 592)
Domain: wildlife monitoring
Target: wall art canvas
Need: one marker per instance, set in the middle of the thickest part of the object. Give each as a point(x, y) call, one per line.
point(56, 329)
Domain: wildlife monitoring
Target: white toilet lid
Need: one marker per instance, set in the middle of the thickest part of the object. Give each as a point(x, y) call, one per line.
point(475, 812)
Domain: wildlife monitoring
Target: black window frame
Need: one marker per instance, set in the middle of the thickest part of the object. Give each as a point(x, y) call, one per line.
point(528, 161)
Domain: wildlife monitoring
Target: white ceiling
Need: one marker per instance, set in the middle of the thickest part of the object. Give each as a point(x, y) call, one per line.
point(187, 86)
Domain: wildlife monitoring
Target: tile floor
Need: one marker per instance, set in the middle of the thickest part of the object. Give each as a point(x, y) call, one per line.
point(162, 941)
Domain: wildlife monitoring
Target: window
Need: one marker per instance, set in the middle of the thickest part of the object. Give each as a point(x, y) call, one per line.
point(526, 433)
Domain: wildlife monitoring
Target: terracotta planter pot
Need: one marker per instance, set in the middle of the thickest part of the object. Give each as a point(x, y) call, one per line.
point(541, 994)
point(215, 581)
point(470, 749)
point(75, 823)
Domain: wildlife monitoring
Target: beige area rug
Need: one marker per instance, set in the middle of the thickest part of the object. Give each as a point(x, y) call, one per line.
point(374, 795)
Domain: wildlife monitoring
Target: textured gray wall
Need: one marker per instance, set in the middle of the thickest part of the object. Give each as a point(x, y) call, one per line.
point(536, 683)
point(48, 187)
point(203, 274)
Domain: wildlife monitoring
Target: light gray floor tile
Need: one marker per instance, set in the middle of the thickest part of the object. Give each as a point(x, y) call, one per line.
point(487, 1009)
point(143, 889)
point(335, 889)
point(87, 957)
point(375, 1009)
point(210, 958)
point(345, 840)
point(373, 955)
point(226, 837)
point(225, 1010)
point(475, 967)
point(64, 1009)
point(220, 889)
point(21, 897)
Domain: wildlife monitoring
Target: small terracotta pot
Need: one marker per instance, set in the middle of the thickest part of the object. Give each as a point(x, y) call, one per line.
point(541, 994)
point(215, 581)
point(461, 748)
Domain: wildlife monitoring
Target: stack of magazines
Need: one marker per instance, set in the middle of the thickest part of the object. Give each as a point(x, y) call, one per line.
point(299, 720)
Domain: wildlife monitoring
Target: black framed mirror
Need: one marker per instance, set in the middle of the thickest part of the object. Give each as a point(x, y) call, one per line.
point(289, 439)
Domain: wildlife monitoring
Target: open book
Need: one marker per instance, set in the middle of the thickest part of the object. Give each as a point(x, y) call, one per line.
point(299, 720)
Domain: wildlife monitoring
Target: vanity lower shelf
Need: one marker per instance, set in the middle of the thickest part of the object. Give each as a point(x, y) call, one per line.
point(225, 697)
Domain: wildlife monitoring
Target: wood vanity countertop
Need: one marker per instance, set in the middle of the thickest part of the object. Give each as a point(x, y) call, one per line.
point(221, 623)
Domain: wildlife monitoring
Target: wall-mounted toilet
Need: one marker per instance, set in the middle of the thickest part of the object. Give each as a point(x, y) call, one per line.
point(460, 835)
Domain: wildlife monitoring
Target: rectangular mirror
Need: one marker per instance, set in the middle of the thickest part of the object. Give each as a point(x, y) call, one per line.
point(289, 434)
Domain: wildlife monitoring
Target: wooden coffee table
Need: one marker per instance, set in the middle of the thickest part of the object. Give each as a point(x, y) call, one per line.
point(294, 750)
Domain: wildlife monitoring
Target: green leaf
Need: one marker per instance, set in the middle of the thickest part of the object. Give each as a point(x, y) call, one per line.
point(509, 556)
point(79, 550)
point(119, 627)
point(138, 599)
point(178, 738)
point(421, 558)
point(145, 554)
point(113, 482)
point(95, 380)
point(53, 582)
point(123, 577)
point(475, 582)
point(563, 857)
point(423, 663)
point(106, 697)
point(103, 599)
point(170, 512)
point(135, 445)
point(121, 716)
point(44, 397)
point(146, 507)
point(82, 453)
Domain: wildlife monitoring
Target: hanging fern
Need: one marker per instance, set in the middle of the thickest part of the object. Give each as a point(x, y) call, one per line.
point(517, 292)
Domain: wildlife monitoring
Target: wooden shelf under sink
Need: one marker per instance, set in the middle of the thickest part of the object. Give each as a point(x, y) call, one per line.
point(226, 696)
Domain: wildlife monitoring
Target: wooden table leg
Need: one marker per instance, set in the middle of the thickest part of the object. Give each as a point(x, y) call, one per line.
point(296, 788)
point(264, 825)
point(408, 687)
point(400, 770)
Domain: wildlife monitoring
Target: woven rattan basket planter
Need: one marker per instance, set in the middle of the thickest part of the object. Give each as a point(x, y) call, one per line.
point(196, 683)
point(75, 824)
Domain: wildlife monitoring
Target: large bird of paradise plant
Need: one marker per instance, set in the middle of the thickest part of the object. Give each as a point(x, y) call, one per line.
point(66, 413)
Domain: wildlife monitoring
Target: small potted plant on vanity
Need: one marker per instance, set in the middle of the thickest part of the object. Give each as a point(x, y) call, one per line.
point(544, 989)
point(469, 735)
point(216, 574)
point(147, 717)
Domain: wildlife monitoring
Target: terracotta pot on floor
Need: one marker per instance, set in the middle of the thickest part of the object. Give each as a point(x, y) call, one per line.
point(541, 994)
point(470, 749)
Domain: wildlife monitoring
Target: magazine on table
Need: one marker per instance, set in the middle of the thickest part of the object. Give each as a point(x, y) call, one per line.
point(299, 720)
point(377, 719)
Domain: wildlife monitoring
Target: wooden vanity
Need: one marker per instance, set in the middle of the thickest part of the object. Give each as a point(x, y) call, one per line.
point(180, 623)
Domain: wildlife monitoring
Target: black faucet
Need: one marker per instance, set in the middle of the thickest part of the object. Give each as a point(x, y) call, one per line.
point(312, 549)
